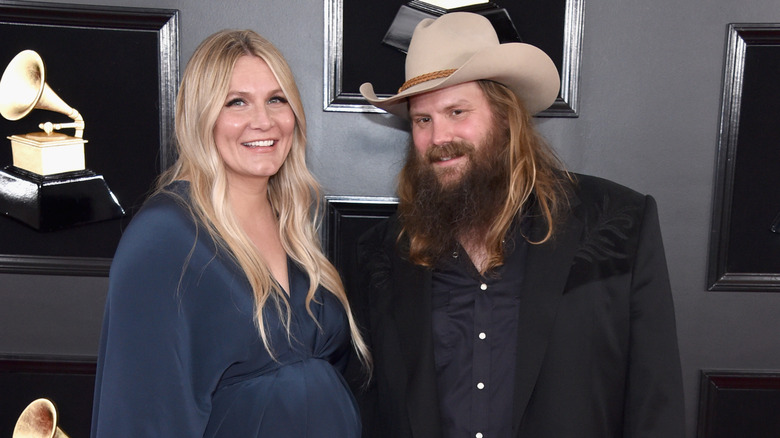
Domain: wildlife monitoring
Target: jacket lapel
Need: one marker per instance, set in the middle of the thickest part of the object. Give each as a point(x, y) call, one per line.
point(546, 271)
point(412, 312)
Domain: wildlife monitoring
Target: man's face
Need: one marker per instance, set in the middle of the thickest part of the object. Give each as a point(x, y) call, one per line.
point(449, 126)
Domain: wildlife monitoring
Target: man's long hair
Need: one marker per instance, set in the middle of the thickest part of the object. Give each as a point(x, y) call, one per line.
point(535, 176)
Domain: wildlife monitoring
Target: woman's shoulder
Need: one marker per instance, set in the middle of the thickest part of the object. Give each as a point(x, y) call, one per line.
point(175, 195)
point(165, 219)
point(168, 206)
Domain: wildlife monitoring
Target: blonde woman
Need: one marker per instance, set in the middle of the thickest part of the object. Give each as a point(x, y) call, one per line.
point(223, 317)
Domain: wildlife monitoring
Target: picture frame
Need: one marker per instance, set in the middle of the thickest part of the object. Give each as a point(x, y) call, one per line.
point(345, 219)
point(744, 252)
point(69, 382)
point(119, 67)
point(739, 403)
point(354, 52)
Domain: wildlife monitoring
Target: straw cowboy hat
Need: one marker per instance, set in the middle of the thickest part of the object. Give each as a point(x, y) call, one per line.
point(461, 47)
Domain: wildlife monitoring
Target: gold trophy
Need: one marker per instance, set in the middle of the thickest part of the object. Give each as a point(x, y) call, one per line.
point(48, 187)
point(38, 420)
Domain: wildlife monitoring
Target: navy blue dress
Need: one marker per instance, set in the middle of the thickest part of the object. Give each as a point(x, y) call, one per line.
point(180, 355)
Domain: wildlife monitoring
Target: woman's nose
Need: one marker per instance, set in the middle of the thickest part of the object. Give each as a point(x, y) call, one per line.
point(262, 118)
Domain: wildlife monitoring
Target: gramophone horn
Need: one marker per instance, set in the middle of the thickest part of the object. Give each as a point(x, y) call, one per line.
point(23, 88)
point(38, 420)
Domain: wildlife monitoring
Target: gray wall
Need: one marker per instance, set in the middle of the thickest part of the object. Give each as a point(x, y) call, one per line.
point(650, 90)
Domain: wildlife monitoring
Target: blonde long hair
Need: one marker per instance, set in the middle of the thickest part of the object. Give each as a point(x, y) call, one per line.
point(536, 175)
point(292, 192)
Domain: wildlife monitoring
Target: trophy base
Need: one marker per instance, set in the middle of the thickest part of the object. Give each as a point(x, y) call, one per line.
point(50, 154)
point(52, 202)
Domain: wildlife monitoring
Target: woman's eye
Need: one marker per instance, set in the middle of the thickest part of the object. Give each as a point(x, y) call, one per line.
point(277, 99)
point(235, 102)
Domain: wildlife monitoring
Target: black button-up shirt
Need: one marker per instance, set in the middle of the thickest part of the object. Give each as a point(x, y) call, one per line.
point(475, 340)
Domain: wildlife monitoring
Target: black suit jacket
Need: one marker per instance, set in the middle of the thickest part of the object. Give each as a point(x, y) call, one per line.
point(597, 348)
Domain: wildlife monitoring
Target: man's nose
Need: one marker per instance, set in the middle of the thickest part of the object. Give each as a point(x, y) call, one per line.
point(441, 132)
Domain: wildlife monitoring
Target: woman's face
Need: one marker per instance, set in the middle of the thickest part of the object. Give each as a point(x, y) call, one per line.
point(254, 129)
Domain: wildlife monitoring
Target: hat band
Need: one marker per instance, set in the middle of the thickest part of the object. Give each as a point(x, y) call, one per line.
point(426, 77)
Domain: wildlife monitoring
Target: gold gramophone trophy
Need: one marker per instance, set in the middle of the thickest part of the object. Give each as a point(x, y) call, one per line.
point(48, 187)
point(39, 420)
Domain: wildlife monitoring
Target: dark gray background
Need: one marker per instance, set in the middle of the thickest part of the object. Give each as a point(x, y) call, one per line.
point(649, 106)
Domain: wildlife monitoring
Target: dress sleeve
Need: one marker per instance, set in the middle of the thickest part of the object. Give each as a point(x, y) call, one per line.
point(654, 399)
point(149, 381)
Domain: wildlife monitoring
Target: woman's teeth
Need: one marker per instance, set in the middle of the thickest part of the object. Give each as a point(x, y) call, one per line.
point(258, 144)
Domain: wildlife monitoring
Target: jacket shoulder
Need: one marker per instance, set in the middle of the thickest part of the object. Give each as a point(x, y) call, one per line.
point(606, 208)
point(594, 190)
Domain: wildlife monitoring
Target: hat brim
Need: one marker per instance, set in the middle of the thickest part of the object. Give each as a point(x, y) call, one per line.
point(523, 68)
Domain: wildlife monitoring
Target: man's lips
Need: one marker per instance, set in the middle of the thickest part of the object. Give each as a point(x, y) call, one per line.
point(448, 152)
point(445, 158)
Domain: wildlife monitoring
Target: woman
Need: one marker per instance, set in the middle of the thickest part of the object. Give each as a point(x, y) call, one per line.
point(223, 316)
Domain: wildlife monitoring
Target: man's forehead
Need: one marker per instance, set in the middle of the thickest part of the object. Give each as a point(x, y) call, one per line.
point(459, 94)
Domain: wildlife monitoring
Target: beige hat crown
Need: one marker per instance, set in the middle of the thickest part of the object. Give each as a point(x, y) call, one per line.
point(461, 47)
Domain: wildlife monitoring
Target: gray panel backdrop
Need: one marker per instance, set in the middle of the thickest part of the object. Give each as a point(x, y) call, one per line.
point(649, 106)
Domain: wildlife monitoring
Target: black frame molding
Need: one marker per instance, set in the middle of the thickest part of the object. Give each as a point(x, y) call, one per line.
point(739, 403)
point(128, 148)
point(346, 218)
point(345, 49)
point(744, 249)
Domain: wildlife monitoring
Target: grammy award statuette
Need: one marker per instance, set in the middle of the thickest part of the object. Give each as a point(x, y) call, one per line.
point(48, 186)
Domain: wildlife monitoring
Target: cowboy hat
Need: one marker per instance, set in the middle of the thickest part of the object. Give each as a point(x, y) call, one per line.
point(461, 47)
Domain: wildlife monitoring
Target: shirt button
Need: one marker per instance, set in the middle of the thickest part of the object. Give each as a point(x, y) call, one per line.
point(483, 286)
point(480, 385)
point(482, 335)
point(479, 435)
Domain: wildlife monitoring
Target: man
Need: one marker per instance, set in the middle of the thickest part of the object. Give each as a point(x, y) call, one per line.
point(507, 297)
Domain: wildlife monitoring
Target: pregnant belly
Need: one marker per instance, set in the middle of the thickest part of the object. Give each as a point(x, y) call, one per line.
point(304, 399)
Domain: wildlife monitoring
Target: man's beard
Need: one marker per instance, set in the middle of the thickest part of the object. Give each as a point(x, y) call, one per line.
point(446, 207)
